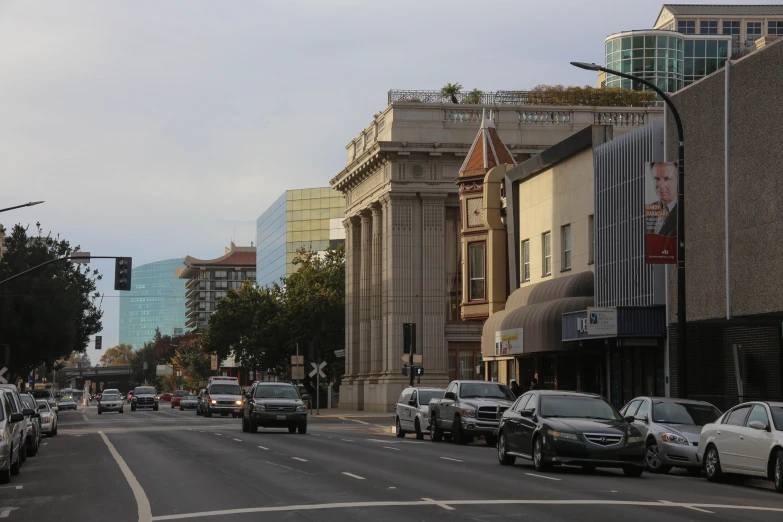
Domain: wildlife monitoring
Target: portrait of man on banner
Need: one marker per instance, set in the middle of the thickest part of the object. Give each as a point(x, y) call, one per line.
point(660, 212)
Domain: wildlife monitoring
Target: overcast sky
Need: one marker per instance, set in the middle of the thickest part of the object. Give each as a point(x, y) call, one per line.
point(155, 129)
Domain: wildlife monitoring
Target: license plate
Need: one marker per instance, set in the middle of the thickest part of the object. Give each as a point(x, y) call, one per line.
point(281, 417)
point(237, 410)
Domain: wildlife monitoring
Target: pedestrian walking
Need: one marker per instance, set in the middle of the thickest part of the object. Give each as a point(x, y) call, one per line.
point(516, 389)
point(534, 384)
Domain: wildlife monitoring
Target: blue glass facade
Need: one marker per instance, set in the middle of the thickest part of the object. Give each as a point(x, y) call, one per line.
point(270, 236)
point(156, 300)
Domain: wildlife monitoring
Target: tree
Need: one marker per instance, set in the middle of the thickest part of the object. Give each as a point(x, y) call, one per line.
point(473, 97)
point(450, 90)
point(193, 359)
point(119, 355)
point(50, 312)
point(145, 354)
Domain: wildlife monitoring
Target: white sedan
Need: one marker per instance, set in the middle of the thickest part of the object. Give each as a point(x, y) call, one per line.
point(747, 440)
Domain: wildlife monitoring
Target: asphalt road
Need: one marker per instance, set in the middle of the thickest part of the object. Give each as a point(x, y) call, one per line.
point(172, 465)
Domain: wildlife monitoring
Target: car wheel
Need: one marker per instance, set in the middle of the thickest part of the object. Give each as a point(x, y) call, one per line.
point(419, 433)
point(133, 408)
point(122, 411)
point(34, 448)
point(504, 458)
point(245, 427)
point(208, 414)
point(694, 472)
point(253, 426)
point(712, 464)
point(456, 432)
point(292, 429)
point(436, 435)
point(16, 466)
point(538, 455)
point(633, 471)
point(5, 475)
point(491, 441)
point(54, 430)
point(155, 408)
point(653, 460)
point(588, 469)
point(777, 472)
point(181, 408)
point(23, 453)
point(100, 412)
point(398, 428)
point(303, 428)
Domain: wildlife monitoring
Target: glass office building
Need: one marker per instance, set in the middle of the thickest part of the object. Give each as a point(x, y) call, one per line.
point(311, 218)
point(156, 300)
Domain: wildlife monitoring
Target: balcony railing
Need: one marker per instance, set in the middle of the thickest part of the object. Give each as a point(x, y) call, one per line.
point(486, 98)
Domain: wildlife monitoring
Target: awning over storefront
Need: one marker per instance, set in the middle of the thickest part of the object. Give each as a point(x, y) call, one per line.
point(538, 310)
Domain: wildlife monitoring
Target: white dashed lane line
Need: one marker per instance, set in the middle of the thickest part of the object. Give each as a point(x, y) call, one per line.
point(263, 448)
point(542, 476)
point(389, 447)
point(238, 440)
point(453, 460)
point(300, 460)
point(353, 476)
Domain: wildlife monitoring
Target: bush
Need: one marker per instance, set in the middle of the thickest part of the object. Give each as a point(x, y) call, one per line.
point(590, 96)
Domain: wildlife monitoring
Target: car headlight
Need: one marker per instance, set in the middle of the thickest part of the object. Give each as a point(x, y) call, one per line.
point(635, 440)
point(301, 407)
point(562, 435)
point(674, 438)
point(260, 407)
point(239, 403)
point(424, 414)
point(213, 401)
point(468, 413)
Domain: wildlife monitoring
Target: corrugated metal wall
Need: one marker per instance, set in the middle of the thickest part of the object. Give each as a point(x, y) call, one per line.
point(622, 278)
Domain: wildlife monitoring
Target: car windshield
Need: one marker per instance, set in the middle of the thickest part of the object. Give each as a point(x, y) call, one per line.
point(425, 396)
point(684, 413)
point(575, 407)
point(110, 397)
point(67, 398)
point(276, 392)
point(225, 389)
point(180, 393)
point(485, 390)
point(41, 394)
point(145, 390)
point(29, 402)
point(189, 397)
point(45, 406)
point(777, 416)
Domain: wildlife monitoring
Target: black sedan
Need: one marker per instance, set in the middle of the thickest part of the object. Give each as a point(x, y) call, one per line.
point(580, 429)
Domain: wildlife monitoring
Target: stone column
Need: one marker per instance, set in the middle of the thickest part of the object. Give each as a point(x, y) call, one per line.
point(385, 253)
point(434, 296)
point(352, 258)
point(376, 318)
point(364, 292)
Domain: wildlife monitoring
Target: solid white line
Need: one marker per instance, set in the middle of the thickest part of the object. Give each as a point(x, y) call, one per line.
point(542, 476)
point(441, 504)
point(689, 507)
point(301, 460)
point(416, 503)
point(218, 434)
point(447, 458)
point(383, 441)
point(389, 447)
point(11, 487)
point(142, 502)
point(263, 448)
point(84, 415)
point(238, 440)
point(354, 420)
point(352, 475)
point(346, 440)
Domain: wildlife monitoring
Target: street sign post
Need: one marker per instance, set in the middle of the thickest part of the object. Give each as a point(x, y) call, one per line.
point(318, 373)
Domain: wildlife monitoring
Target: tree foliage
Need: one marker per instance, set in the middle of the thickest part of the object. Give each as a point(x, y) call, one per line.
point(48, 313)
point(450, 90)
point(590, 96)
point(473, 97)
point(120, 355)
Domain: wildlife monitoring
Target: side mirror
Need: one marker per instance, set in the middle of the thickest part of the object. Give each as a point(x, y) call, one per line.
point(450, 396)
point(28, 412)
point(36, 415)
point(758, 425)
point(630, 419)
point(17, 417)
point(527, 413)
point(412, 402)
point(643, 419)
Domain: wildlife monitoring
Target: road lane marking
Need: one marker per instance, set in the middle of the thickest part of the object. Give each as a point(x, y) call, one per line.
point(352, 475)
point(346, 440)
point(383, 441)
point(84, 415)
point(238, 440)
point(142, 502)
point(689, 507)
point(354, 420)
point(542, 476)
point(263, 448)
point(4, 512)
point(11, 487)
point(389, 447)
point(441, 504)
point(448, 458)
point(300, 460)
point(218, 434)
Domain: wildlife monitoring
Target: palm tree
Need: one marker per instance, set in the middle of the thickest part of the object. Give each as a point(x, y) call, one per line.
point(473, 97)
point(450, 90)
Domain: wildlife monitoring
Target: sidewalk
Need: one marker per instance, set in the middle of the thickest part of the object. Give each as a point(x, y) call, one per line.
point(335, 413)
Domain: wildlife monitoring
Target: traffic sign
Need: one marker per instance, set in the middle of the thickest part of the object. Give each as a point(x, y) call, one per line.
point(297, 359)
point(297, 372)
point(3, 380)
point(417, 358)
point(317, 369)
point(339, 353)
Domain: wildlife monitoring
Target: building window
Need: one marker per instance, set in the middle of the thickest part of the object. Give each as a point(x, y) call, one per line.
point(565, 234)
point(775, 28)
point(686, 26)
point(546, 248)
point(732, 28)
point(753, 32)
point(708, 27)
point(476, 272)
point(526, 260)
point(590, 239)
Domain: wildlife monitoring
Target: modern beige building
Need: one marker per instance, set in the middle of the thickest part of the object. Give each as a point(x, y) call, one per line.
point(208, 280)
point(402, 220)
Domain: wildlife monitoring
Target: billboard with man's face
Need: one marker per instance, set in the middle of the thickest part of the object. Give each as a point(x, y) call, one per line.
point(660, 213)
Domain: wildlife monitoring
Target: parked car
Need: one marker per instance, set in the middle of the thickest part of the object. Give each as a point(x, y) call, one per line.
point(11, 437)
point(274, 405)
point(164, 396)
point(28, 415)
point(66, 402)
point(200, 402)
point(580, 429)
point(671, 430)
point(223, 396)
point(110, 402)
point(176, 397)
point(33, 421)
point(413, 410)
point(747, 440)
point(48, 419)
point(48, 396)
point(188, 402)
point(469, 409)
point(144, 397)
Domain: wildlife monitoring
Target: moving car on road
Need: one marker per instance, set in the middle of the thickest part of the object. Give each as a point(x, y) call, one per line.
point(164, 396)
point(188, 402)
point(579, 429)
point(48, 419)
point(413, 410)
point(274, 405)
point(176, 397)
point(469, 409)
point(110, 402)
point(671, 430)
point(144, 397)
point(11, 436)
point(223, 396)
point(747, 440)
point(47, 395)
point(66, 402)
point(33, 421)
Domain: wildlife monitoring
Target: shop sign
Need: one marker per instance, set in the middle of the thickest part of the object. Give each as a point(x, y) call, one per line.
point(601, 321)
point(508, 342)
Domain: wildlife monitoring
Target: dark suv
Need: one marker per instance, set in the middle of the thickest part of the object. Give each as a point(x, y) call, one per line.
point(274, 405)
point(144, 397)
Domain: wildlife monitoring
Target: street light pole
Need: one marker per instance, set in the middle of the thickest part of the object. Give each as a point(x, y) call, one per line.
point(682, 344)
point(31, 204)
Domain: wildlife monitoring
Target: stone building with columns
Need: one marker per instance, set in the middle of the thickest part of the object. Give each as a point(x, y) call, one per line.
point(402, 230)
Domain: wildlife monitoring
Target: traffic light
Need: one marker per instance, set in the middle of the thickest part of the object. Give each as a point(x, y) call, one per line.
point(418, 371)
point(409, 337)
point(122, 273)
point(98, 342)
